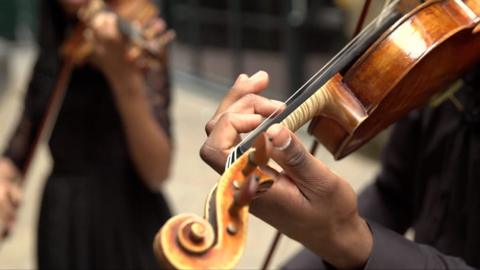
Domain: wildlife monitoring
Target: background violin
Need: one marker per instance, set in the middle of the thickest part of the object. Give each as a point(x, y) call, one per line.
point(76, 49)
point(396, 64)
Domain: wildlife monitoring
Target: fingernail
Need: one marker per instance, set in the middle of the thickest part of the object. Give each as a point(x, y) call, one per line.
point(257, 75)
point(241, 77)
point(285, 145)
point(277, 102)
point(279, 137)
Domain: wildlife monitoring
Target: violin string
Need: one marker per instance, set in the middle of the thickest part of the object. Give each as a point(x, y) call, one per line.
point(381, 16)
point(372, 26)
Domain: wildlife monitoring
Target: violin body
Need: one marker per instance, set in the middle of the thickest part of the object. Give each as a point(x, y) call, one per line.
point(76, 48)
point(418, 56)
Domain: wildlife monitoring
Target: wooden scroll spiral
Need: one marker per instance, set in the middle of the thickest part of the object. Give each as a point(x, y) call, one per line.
point(217, 240)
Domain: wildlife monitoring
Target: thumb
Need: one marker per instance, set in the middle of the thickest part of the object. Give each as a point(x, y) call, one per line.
point(310, 175)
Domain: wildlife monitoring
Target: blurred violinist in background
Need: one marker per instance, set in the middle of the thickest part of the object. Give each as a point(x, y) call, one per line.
point(111, 147)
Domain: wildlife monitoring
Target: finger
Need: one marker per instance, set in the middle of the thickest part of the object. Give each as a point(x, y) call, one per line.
point(157, 45)
point(154, 28)
point(312, 177)
point(163, 40)
point(7, 227)
point(15, 195)
point(255, 104)
point(249, 104)
point(283, 199)
point(225, 135)
point(243, 86)
point(8, 169)
point(6, 208)
point(104, 26)
point(133, 53)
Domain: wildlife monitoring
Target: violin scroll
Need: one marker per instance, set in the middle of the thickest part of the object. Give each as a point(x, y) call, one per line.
point(217, 240)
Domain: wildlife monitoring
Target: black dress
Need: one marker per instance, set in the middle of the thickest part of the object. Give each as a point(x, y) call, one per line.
point(96, 213)
point(429, 181)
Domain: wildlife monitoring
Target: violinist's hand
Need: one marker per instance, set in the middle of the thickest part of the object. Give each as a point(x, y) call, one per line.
point(10, 193)
point(240, 112)
point(114, 54)
point(321, 206)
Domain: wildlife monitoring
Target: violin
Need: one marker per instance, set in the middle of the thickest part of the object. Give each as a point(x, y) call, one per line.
point(77, 48)
point(413, 50)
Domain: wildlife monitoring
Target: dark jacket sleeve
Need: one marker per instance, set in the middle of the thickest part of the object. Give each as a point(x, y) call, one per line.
point(393, 251)
point(388, 205)
point(390, 251)
point(389, 199)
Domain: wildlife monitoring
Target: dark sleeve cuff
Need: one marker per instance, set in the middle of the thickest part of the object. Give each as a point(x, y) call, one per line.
point(392, 250)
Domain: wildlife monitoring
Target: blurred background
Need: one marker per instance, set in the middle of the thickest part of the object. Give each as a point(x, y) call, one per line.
point(216, 40)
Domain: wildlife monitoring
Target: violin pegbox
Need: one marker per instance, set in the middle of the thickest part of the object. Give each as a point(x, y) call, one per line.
point(216, 241)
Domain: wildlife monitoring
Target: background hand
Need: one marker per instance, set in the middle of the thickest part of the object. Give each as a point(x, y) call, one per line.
point(10, 193)
point(116, 55)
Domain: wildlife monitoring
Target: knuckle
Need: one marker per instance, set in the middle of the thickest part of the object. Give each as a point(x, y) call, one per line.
point(296, 158)
point(208, 152)
point(240, 88)
point(317, 186)
point(249, 98)
point(222, 120)
point(205, 152)
point(212, 156)
point(209, 126)
point(226, 117)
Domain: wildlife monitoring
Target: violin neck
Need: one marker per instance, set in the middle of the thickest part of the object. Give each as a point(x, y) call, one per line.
point(312, 107)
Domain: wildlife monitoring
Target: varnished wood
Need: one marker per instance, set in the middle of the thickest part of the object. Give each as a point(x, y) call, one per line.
point(422, 54)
